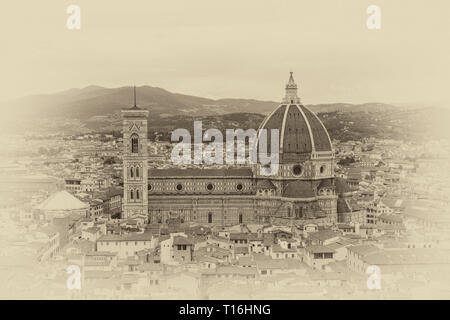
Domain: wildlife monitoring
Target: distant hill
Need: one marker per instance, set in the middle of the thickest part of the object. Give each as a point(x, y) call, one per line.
point(347, 107)
point(97, 109)
point(92, 102)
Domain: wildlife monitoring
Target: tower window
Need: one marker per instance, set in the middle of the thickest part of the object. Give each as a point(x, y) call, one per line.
point(137, 194)
point(134, 143)
point(131, 195)
point(322, 169)
point(240, 218)
point(137, 172)
point(131, 172)
point(210, 217)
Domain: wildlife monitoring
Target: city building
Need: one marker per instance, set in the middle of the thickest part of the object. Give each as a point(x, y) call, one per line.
point(304, 188)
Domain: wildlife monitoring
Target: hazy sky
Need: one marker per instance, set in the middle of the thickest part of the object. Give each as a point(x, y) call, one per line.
point(231, 48)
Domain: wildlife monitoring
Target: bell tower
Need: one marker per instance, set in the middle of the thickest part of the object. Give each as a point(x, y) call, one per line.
point(135, 166)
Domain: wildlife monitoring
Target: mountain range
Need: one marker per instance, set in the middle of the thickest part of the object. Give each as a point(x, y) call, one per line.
point(97, 109)
point(95, 101)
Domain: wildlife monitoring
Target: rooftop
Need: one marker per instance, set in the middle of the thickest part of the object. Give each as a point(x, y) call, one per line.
point(62, 201)
point(200, 172)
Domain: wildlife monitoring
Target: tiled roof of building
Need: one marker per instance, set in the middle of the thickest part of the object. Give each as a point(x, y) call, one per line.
point(278, 248)
point(345, 226)
point(326, 183)
point(341, 185)
point(265, 184)
point(238, 236)
point(240, 250)
point(342, 206)
point(255, 237)
point(200, 172)
point(146, 236)
point(271, 264)
point(62, 201)
point(234, 270)
point(323, 235)
point(364, 249)
point(319, 249)
point(180, 240)
point(298, 189)
point(246, 261)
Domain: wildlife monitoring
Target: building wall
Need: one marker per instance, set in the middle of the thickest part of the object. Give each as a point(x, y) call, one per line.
point(123, 248)
point(182, 253)
point(317, 263)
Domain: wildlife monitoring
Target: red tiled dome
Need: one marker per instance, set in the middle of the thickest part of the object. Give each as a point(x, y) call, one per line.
point(300, 130)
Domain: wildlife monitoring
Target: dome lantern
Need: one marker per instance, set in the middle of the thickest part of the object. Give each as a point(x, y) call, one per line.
point(291, 92)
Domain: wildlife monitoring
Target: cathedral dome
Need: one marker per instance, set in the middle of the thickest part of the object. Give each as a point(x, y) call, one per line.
point(300, 130)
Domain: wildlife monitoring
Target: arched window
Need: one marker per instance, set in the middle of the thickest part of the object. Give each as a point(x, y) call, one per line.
point(137, 194)
point(137, 172)
point(134, 143)
point(210, 217)
point(240, 218)
point(131, 195)
point(131, 172)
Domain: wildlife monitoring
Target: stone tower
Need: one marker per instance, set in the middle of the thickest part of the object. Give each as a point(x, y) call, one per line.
point(135, 166)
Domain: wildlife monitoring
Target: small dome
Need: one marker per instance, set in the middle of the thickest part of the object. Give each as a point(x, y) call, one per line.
point(301, 131)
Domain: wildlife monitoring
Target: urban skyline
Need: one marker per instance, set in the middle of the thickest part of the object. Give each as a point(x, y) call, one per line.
point(309, 157)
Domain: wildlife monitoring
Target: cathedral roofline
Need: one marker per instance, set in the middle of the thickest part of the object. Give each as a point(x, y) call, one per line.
point(245, 172)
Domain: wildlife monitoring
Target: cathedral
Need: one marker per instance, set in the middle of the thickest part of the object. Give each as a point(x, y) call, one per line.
point(303, 190)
